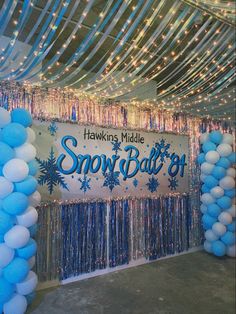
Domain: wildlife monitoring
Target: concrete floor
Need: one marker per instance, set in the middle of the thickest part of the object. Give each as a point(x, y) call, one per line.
point(187, 284)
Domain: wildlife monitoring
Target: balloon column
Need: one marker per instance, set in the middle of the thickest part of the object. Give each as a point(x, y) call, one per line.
point(18, 216)
point(218, 193)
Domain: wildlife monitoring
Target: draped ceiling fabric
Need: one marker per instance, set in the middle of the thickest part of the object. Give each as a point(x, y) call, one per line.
point(111, 49)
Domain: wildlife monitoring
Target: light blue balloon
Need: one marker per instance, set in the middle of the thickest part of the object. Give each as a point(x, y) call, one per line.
point(210, 181)
point(218, 248)
point(207, 146)
point(228, 238)
point(230, 193)
point(27, 186)
point(27, 251)
point(22, 116)
point(224, 202)
point(14, 134)
point(208, 246)
point(218, 172)
point(16, 271)
point(232, 158)
point(6, 222)
point(33, 230)
point(201, 158)
point(213, 210)
point(223, 162)
point(231, 227)
point(6, 290)
point(216, 137)
point(205, 189)
point(6, 153)
point(208, 221)
point(15, 203)
point(33, 167)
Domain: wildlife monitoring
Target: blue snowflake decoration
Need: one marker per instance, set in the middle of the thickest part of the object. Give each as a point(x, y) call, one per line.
point(53, 128)
point(111, 179)
point(116, 146)
point(163, 148)
point(173, 183)
point(135, 182)
point(50, 174)
point(85, 183)
point(152, 184)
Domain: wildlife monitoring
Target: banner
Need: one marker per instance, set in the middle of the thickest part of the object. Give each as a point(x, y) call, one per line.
point(87, 162)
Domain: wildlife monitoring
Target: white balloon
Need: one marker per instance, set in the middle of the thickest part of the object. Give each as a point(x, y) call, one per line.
point(212, 156)
point(16, 305)
point(203, 177)
point(206, 168)
point(228, 139)
point(35, 199)
point(211, 236)
point(30, 135)
point(207, 199)
point(27, 152)
point(5, 117)
point(28, 285)
point(227, 183)
point(15, 170)
point(204, 137)
point(231, 172)
point(6, 255)
point(225, 218)
point(219, 229)
point(203, 209)
point(28, 218)
point(17, 237)
point(224, 150)
point(231, 250)
point(6, 187)
point(232, 211)
point(217, 192)
point(207, 246)
point(31, 262)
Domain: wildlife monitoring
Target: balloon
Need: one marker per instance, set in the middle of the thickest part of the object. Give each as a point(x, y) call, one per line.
point(211, 182)
point(1, 173)
point(207, 146)
point(224, 202)
point(231, 250)
point(6, 290)
point(201, 158)
point(232, 158)
point(228, 139)
point(17, 237)
point(6, 222)
point(232, 211)
point(31, 262)
point(232, 227)
point(16, 170)
point(35, 199)
point(230, 193)
point(30, 135)
point(205, 188)
point(208, 221)
point(216, 137)
point(225, 218)
point(211, 236)
point(227, 183)
point(223, 162)
point(231, 172)
point(218, 248)
point(203, 209)
point(33, 167)
point(5, 117)
point(217, 192)
point(203, 177)
point(27, 186)
point(7, 153)
point(28, 218)
point(6, 187)
point(204, 137)
point(7, 255)
point(206, 168)
point(16, 271)
point(27, 251)
point(213, 210)
point(212, 157)
point(33, 230)
point(15, 134)
point(28, 285)
point(219, 229)
point(218, 172)
point(16, 203)
point(224, 150)
point(16, 305)
point(26, 152)
point(22, 116)
point(207, 199)
point(208, 246)
point(228, 238)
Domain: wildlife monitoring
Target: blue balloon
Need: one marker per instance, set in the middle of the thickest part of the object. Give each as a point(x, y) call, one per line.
point(207, 146)
point(231, 227)
point(201, 158)
point(1, 204)
point(205, 189)
point(228, 238)
point(232, 158)
point(27, 186)
point(7, 153)
point(218, 248)
point(216, 137)
point(208, 221)
point(33, 230)
point(213, 210)
point(230, 193)
point(15, 203)
point(210, 181)
point(1, 173)
point(1, 238)
point(27, 251)
point(16, 271)
point(14, 134)
point(218, 172)
point(6, 290)
point(21, 116)
point(224, 202)
point(30, 297)
point(223, 162)
point(33, 167)
point(6, 222)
